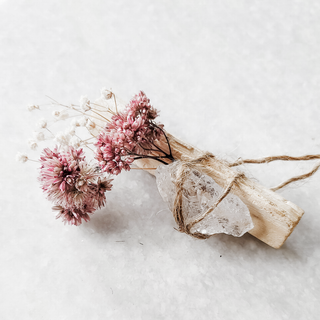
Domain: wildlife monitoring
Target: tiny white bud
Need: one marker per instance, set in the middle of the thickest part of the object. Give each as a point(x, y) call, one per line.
point(83, 121)
point(39, 136)
point(84, 103)
point(107, 94)
point(63, 115)
point(71, 130)
point(32, 144)
point(62, 138)
point(42, 123)
point(60, 115)
point(21, 157)
point(56, 113)
point(90, 125)
point(32, 107)
point(75, 142)
point(75, 123)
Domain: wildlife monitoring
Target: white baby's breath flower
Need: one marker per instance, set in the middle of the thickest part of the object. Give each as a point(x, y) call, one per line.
point(42, 123)
point(62, 138)
point(21, 157)
point(71, 131)
point(83, 121)
point(75, 142)
point(32, 107)
point(60, 115)
point(32, 144)
point(56, 113)
point(84, 103)
point(105, 93)
point(39, 135)
point(75, 122)
point(90, 125)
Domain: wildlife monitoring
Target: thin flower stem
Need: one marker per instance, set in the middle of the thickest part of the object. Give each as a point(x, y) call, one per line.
point(99, 105)
point(71, 108)
point(161, 149)
point(147, 156)
point(78, 137)
point(108, 108)
point(60, 104)
point(165, 137)
point(88, 147)
point(152, 150)
point(100, 115)
point(150, 157)
point(50, 132)
point(115, 101)
point(88, 139)
point(93, 136)
point(143, 168)
point(92, 108)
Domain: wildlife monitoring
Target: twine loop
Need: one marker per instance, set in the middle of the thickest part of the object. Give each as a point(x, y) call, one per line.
point(201, 162)
point(181, 177)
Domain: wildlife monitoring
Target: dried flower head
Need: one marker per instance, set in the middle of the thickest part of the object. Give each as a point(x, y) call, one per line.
point(75, 142)
point(32, 144)
point(39, 136)
point(75, 122)
point(62, 138)
point(83, 121)
point(70, 131)
point(105, 93)
point(74, 186)
point(130, 134)
point(84, 103)
point(33, 107)
point(60, 115)
point(42, 123)
point(21, 157)
point(90, 125)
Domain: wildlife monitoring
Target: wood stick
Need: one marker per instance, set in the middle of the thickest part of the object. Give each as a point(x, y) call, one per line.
point(273, 216)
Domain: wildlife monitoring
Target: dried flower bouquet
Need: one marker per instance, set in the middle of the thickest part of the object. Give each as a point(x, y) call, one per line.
point(205, 194)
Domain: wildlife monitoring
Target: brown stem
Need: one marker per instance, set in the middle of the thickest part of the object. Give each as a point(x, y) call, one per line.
point(165, 137)
point(151, 157)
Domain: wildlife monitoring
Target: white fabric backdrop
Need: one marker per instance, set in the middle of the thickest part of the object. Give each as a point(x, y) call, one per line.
point(237, 78)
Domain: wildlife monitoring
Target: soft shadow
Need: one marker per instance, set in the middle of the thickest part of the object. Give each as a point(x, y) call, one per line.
point(252, 249)
point(106, 222)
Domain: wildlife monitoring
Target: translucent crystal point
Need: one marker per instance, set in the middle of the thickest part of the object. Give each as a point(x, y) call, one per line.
point(200, 192)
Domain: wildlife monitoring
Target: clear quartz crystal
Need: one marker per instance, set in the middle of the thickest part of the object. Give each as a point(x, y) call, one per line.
point(200, 192)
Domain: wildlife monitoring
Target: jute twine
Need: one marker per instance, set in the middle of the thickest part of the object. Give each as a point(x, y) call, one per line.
point(283, 158)
point(200, 162)
point(181, 177)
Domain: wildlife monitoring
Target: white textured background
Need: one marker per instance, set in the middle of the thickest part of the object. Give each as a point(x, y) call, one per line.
point(237, 78)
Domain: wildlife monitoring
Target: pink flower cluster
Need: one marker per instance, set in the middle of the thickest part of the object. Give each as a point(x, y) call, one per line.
point(74, 186)
point(130, 134)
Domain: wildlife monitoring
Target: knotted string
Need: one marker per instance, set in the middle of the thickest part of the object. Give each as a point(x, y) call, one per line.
point(200, 161)
point(182, 175)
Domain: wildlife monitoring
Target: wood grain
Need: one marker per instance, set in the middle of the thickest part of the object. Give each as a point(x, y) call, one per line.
point(273, 216)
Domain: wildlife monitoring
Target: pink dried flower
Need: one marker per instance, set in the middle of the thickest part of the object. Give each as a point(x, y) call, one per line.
point(73, 216)
point(74, 186)
point(130, 134)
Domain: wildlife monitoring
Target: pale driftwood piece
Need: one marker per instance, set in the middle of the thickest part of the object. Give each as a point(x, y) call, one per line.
point(273, 216)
